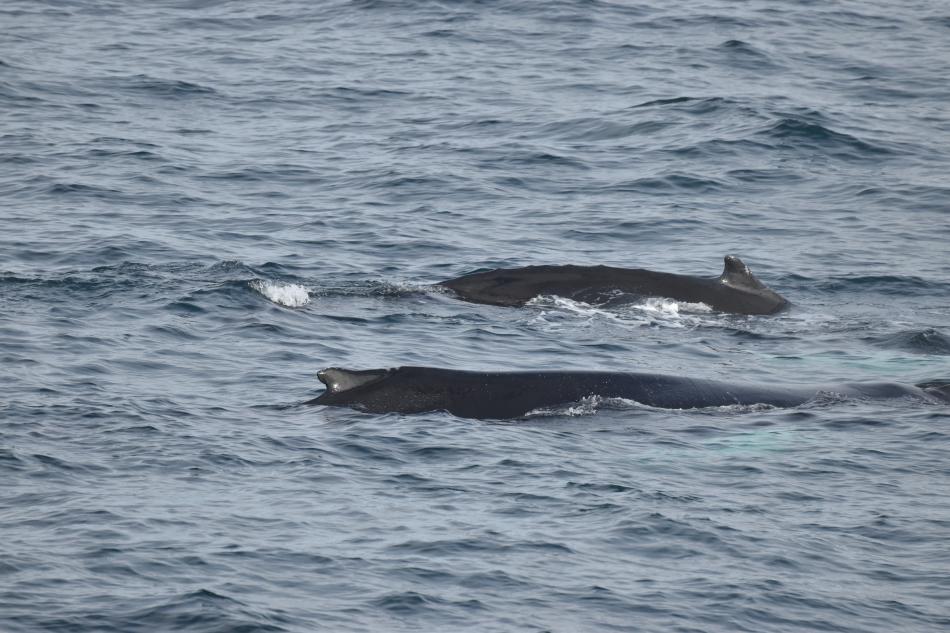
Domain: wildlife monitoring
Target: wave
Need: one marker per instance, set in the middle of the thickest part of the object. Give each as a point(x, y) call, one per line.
point(671, 183)
point(164, 87)
point(740, 54)
point(379, 289)
point(71, 189)
point(598, 129)
point(801, 133)
point(925, 341)
point(883, 284)
point(203, 610)
point(690, 105)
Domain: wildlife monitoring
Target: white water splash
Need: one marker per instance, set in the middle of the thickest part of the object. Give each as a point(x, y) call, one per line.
point(575, 308)
point(289, 295)
point(671, 308)
point(586, 406)
point(738, 408)
point(589, 405)
point(654, 312)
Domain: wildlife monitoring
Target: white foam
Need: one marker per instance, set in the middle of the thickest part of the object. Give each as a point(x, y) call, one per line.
point(740, 408)
point(588, 406)
point(653, 312)
point(591, 404)
point(289, 295)
point(671, 308)
point(578, 308)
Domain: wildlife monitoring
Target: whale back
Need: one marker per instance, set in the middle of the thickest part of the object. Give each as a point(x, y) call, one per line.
point(736, 290)
point(507, 395)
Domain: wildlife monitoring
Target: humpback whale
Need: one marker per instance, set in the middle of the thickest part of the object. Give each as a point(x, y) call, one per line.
point(503, 395)
point(736, 290)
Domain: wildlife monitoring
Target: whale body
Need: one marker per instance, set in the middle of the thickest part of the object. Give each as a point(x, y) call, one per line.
point(736, 290)
point(504, 395)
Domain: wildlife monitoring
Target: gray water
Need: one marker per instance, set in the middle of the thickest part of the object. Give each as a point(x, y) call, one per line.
point(204, 203)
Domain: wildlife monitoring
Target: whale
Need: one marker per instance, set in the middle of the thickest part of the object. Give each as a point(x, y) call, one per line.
point(735, 291)
point(507, 395)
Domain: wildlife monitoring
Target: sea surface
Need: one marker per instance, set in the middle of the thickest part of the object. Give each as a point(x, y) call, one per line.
point(203, 203)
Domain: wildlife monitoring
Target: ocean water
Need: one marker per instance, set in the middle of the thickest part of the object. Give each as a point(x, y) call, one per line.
point(203, 203)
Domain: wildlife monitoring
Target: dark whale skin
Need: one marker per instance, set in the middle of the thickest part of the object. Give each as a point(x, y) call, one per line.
point(506, 395)
point(736, 290)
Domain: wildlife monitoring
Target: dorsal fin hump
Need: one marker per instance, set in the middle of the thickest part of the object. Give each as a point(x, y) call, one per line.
point(338, 380)
point(735, 273)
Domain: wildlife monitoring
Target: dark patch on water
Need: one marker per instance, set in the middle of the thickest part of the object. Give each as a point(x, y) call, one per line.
point(166, 87)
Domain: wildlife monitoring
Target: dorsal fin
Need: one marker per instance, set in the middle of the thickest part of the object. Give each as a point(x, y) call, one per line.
point(338, 380)
point(737, 274)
